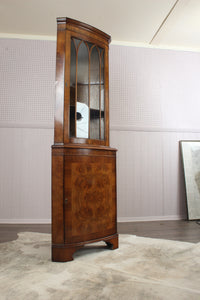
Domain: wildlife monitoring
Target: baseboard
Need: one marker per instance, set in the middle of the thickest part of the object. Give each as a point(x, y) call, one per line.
point(119, 219)
point(25, 221)
point(151, 218)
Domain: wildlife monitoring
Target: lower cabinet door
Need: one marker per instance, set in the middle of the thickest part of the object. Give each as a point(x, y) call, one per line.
point(89, 197)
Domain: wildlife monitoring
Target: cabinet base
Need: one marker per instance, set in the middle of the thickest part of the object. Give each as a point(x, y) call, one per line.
point(64, 252)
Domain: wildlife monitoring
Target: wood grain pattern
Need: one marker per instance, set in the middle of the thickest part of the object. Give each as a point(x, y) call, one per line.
point(84, 204)
point(67, 87)
point(77, 25)
point(57, 200)
point(60, 67)
point(90, 189)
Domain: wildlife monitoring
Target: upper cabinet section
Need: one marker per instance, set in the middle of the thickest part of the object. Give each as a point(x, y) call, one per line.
point(82, 104)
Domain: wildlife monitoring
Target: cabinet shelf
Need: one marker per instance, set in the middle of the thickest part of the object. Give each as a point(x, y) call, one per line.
point(87, 84)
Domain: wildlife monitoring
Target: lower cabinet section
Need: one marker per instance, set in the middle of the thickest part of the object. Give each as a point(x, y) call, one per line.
point(83, 199)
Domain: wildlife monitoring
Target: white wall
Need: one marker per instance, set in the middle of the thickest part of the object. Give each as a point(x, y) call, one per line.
point(27, 81)
point(154, 103)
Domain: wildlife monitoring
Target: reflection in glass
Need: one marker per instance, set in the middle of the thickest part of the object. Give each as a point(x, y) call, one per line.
point(82, 120)
point(94, 94)
point(82, 123)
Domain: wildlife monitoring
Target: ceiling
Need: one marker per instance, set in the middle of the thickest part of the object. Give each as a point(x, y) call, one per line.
point(149, 23)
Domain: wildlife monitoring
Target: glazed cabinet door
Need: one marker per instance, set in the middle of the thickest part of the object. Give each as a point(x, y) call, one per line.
point(90, 197)
point(86, 97)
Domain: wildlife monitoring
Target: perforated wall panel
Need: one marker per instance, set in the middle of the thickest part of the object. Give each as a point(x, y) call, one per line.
point(27, 81)
point(154, 103)
point(154, 88)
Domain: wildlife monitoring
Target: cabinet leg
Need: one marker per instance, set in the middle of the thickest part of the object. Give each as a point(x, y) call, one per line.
point(61, 254)
point(64, 253)
point(112, 243)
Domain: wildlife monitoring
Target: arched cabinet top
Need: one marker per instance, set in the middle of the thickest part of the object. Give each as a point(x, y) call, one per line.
point(71, 24)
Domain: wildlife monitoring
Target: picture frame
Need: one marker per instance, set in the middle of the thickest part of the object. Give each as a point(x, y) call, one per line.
point(190, 151)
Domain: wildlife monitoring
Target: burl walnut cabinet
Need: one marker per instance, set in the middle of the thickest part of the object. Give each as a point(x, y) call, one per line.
point(83, 164)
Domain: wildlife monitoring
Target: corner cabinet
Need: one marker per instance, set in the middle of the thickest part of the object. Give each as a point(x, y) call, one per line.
point(83, 164)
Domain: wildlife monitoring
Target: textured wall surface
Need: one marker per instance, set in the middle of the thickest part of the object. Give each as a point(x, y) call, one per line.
point(27, 81)
point(154, 103)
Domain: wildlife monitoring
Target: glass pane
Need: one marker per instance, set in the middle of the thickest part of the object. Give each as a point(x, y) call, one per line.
point(102, 66)
point(83, 64)
point(72, 89)
point(94, 66)
point(77, 42)
point(86, 104)
point(82, 109)
point(102, 112)
point(82, 120)
point(94, 94)
point(102, 95)
point(82, 93)
point(94, 124)
point(94, 112)
point(90, 44)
